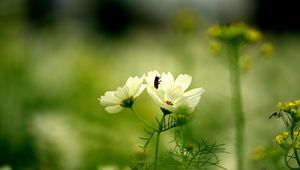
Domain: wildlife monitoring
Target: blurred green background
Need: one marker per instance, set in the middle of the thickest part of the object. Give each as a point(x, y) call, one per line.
point(58, 57)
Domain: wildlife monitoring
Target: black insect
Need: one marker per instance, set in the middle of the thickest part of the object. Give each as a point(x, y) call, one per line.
point(156, 81)
point(275, 114)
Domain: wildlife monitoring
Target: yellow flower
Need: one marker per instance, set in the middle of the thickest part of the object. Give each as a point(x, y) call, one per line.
point(280, 105)
point(253, 35)
point(246, 63)
point(285, 134)
point(296, 133)
point(214, 31)
point(290, 104)
point(258, 153)
point(236, 34)
point(266, 50)
point(278, 139)
point(297, 102)
point(214, 47)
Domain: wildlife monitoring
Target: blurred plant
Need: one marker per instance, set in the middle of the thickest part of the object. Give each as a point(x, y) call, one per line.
point(176, 104)
point(233, 39)
point(266, 157)
point(238, 36)
point(186, 20)
point(5, 167)
point(289, 139)
point(190, 155)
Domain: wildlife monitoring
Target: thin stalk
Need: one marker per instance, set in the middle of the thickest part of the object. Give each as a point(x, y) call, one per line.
point(237, 107)
point(160, 127)
point(142, 120)
point(294, 149)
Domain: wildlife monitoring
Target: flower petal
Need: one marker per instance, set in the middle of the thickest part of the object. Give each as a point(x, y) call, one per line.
point(183, 106)
point(172, 93)
point(166, 80)
point(154, 96)
point(114, 109)
point(133, 84)
point(184, 81)
point(150, 78)
point(140, 90)
point(109, 99)
point(122, 92)
point(193, 96)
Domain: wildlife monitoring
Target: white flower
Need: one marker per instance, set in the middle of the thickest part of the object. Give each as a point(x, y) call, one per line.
point(123, 97)
point(171, 94)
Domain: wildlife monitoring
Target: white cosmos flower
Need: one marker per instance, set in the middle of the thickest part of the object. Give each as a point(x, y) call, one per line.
point(123, 97)
point(171, 94)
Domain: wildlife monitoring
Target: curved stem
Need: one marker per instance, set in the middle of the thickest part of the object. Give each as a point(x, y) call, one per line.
point(296, 156)
point(287, 163)
point(160, 127)
point(138, 116)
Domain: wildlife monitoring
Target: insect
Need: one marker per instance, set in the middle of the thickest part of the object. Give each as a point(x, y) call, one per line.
point(156, 81)
point(275, 114)
point(169, 103)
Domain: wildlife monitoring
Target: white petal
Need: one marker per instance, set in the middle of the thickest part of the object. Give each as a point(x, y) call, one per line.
point(109, 99)
point(114, 109)
point(194, 92)
point(140, 90)
point(172, 93)
point(122, 92)
point(150, 77)
point(193, 96)
point(154, 96)
point(133, 84)
point(183, 105)
point(184, 81)
point(166, 80)
point(180, 101)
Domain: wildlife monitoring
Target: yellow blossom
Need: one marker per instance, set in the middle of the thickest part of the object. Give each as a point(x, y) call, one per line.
point(266, 50)
point(214, 31)
point(280, 105)
point(258, 153)
point(246, 63)
point(253, 35)
point(296, 133)
point(278, 139)
point(285, 134)
point(214, 47)
point(236, 33)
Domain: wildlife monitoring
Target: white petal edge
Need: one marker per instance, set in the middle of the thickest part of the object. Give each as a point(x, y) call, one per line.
point(133, 84)
point(194, 92)
point(109, 99)
point(193, 96)
point(154, 96)
point(184, 81)
point(122, 92)
point(150, 77)
point(140, 90)
point(166, 80)
point(114, 109)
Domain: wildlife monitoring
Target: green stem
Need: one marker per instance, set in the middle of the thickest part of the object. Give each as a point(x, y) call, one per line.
point(294, 149)
point(142, 120)
point(160, 128)
point(237, 104)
